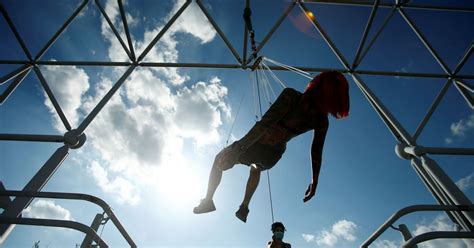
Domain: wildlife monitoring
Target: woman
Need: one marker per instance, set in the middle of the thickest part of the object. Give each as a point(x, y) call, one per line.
point(278, 230)
point(292, 114)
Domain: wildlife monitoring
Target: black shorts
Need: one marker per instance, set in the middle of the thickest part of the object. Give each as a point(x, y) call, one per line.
point(264, 156)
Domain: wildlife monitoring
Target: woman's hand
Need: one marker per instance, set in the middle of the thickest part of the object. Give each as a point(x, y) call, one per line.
point(310, 191)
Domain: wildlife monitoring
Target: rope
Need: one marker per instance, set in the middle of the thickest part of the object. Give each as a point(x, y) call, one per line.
point(268, 173)
point(235, 118)
point(290, 68)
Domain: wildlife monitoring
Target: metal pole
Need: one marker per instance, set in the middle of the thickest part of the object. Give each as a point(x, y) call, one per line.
point(431, 110)
point(15, 73)
point(437, 235)
point(15, 32)
point(163, 31)
point(366, 32)
point(84, 63)
point(56, 223)
point(411, 209)
point(448, 186)
point(467, 54)
point(377, 34)
point(35, 184)
point(75, 196)
point(219, 31)
point(127, 32)
point(392, 120)
point(104, 100)
point(111, 25)
point(388, 5)
point(463, 90)
point(52, 98)
point(32, 137)
point(434, 188)
point(325, 37)
point(61, 30)
point(88, 239)
point(274, 28)
point(425, 41)
point(13, 86)
point(421, 150)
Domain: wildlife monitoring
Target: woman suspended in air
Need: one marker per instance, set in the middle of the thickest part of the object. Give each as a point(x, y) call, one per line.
point(292, 114)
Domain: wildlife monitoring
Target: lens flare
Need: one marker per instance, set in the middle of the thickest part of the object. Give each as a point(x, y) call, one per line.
point(310, 15)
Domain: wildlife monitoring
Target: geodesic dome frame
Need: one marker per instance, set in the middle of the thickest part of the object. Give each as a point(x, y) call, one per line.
point(452, 200)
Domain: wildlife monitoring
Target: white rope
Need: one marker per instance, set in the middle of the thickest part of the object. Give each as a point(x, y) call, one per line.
point(264, 84)
point(274, 76)
point(290, 68)
point(269, 84)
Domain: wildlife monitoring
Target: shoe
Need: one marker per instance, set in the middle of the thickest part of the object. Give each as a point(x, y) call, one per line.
point(205, 206)
point(242, 213)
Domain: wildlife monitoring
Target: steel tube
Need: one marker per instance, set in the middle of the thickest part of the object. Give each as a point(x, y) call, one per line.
point(15, 32)
point(467, 54)
point(104, 100)
point(36, 183)
point(84, 63)
point(272, 31)
point(465, 94)
point(377, 34)
point(366, 32)
point(387, 5)
point(326, 38)
point(219, 31)
point(114, 30)
point(9, 90)
point(421, 150)
point(434, 189)
point(425, 41)
point(448, 186)
point(431, 110)
point(52, 98)
point(437, 235)
point(75, 196)
point(163, 30)
point(14, 73)
point(31, 137)
point(411, 209)
point(127, 31)
point(56, 223)
point(61, 30)
point(392, 120)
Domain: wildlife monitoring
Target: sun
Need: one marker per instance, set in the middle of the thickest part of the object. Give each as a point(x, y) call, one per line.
point(179, 183)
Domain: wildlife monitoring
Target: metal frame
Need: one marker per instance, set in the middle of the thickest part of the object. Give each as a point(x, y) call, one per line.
point(72, 196)
point(437, 182)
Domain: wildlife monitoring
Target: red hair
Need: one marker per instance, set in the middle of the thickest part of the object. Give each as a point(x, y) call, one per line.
point(332, 91)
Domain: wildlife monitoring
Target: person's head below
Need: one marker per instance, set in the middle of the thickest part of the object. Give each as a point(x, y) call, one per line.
point(331, 90)
point(278, 230)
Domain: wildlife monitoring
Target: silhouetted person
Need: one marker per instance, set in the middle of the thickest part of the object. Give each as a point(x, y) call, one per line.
point(292, 114)
point(278, 230)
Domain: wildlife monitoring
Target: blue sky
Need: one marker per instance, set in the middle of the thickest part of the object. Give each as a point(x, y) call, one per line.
point(149, 151)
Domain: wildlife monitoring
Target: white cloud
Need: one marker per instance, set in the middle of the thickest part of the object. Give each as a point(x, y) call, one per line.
point(341, 231)
point(46, 209)
point(124, 188)
point(308, 237)
point(465, 182)
point(147, 122)
point(68, 84)
point(194, 22)
point(385, 244)
point(461, 128)
point(440, 223)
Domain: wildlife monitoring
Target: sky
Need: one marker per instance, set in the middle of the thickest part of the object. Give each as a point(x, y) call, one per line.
point(149, 151)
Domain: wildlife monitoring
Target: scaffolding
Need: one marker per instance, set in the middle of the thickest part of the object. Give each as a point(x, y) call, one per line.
point(450, 198)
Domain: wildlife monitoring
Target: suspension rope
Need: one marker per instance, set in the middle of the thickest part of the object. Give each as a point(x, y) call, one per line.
point(290, 68)
point(268, 173)
point(235, 118)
